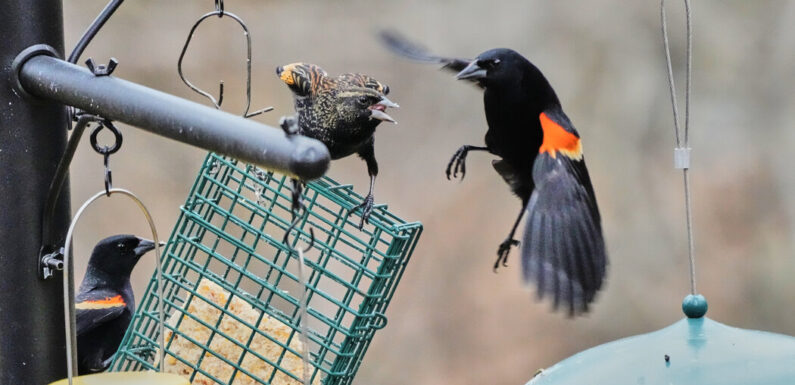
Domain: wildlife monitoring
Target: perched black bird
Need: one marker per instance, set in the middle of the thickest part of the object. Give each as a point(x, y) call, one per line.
point(341, 112)
point(542, 161)
point(105, 302)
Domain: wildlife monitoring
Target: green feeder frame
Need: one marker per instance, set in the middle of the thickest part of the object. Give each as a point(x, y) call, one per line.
point(230, 233)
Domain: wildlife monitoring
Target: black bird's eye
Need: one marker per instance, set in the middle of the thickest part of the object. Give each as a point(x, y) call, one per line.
point(386, 90)
point(363, 100)
point(488, 63)
point(121, 246)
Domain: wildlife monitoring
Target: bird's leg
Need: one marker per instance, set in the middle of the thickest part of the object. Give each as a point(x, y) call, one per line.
point(368, 154)
point(458, 161)
point(505, 247)
point(106, 363)
point(290, 126)
point(297, 200)
point(366, 205)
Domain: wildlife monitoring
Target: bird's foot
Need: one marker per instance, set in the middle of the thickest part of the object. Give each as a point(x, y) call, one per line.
point(296, 205)
point(289, 124)
point(503, 251)
point(296, 197)
point(367, 208)
point(458, 163)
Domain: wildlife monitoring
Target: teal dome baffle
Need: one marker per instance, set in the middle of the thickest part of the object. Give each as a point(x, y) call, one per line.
point(691, 351)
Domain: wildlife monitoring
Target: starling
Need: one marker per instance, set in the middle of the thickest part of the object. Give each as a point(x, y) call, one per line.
point(341, 112)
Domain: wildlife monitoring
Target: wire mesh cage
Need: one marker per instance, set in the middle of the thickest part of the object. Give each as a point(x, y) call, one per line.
point(232, 287)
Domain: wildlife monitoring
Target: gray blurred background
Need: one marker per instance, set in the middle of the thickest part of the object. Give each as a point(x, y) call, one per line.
point(452, 319)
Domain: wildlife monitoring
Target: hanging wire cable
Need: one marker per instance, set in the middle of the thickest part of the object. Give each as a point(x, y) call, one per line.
point(682, 150)
point(304, 311)
point(304, 314)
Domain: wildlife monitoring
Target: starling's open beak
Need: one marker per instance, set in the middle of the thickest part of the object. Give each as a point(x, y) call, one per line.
point(472, 71)
point(144, 246)
point(379, 108)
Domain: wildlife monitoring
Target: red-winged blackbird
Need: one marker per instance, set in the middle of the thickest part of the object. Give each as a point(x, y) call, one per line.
point(105, 303)
point(542, 161)
point(341, 112)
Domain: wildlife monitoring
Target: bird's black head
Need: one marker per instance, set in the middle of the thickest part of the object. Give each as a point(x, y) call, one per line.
point(117, 255)
point(506, 69)
point(495, 65)
point(362, 106)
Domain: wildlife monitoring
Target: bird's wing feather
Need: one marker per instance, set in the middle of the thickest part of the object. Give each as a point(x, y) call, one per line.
point(402, 46)
point(96, 307)
point(563, 251)
point(562, 247)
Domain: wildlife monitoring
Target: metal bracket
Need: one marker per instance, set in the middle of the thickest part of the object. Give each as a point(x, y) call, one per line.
point(22, 58)
point(52, 262)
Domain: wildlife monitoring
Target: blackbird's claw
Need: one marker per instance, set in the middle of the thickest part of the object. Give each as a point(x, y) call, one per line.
point(297, 198)
point(289, 124)
point(457, 163)
point(503, 251)
point(367, 209)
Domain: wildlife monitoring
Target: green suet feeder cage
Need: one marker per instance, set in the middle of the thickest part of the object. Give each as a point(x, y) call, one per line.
point(232, 287)
point(694, 350)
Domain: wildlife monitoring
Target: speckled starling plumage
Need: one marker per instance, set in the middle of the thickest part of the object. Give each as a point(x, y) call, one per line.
point(342, 112)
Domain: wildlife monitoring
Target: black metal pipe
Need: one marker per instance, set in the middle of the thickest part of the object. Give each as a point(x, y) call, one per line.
point(32, 139)
point(174, 117)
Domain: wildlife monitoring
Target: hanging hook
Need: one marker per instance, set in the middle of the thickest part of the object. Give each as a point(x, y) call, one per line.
point(219, 11)
point(106, 151)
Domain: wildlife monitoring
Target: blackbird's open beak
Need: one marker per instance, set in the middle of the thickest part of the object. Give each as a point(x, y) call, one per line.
point(379, 108)
point(472, 71)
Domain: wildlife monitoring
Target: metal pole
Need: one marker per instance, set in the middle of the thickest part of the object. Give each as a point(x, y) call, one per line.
point(176, 118)
point(32, 139)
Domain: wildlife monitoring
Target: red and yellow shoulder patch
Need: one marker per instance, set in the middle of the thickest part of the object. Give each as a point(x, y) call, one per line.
point(558, 140)
point(106, 303)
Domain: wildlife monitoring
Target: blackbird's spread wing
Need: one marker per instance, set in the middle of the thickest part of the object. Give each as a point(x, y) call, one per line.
point(402, 46)
point(96, 307)
point(563, 251)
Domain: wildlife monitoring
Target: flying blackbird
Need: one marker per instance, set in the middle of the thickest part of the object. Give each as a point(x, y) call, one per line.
point(105, 302)
point(542, 161)
point(341, 112)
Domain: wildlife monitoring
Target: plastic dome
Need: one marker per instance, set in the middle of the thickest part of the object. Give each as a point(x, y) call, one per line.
point(691, 351)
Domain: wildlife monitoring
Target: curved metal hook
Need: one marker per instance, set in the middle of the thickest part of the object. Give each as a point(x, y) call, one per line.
point(106, 151)
point(219, 11)
point(285, 240)
point(68, 284)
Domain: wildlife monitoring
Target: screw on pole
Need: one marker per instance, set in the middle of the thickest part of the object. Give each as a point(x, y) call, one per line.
point(102, 69)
